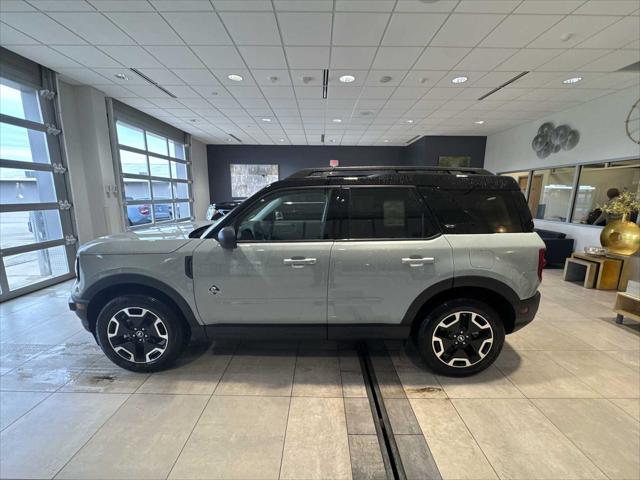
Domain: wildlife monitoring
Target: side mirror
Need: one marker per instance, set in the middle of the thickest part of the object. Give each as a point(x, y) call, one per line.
point(227, 238)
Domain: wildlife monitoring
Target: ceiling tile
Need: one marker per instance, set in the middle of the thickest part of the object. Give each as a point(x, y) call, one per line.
point(494, 79)
point(42, 28)
point(263, 57)
point(442, 6)
point(93, 27)
point(252, 28)
point(182, 5)
point(183, 91)
point(487, 6)
point(84, 75)
point(116, 91)
point(175, 56)
point(202, 28)
point(441, 58)
point(485, 59)
point(131, 56)
point(516, 31)
point(242, 5)
point(412, 28)
point(62, 5)
point(11, 36)
point(162, 76)
point(271, 77)
point(87, 55)
point(571, 60)
point(147, 91)
point(305, 28)
point(307, 57)
point(306, 6)
point(423, 78)
point(607, 7)
point(146, 28)
point(376, 92)
point(219, 57)
point(15, 6)
point(360, 6)
point(465, 30)
point(528, 59)
point(612, 61)
point(396, 58)
point(122, 5)
point(277, 92)
point(196, 76)
point(359, 58)
point(580, 27)
point(616, 35)
point(358, 29)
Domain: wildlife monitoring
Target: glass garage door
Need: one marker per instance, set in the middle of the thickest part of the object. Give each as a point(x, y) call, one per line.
point(37, 244)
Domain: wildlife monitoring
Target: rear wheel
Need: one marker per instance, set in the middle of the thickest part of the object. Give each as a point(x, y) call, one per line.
point(140, 333)
point(460, 337)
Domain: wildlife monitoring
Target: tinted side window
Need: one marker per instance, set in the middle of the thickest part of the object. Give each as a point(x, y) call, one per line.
point(384, 212)
point(285, 216)
point(474, 211)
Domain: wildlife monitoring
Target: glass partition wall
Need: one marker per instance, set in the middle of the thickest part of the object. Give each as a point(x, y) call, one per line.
point(37, 240)
point(576, 193)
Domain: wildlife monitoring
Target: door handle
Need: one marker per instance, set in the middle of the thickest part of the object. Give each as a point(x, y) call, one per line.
point(299, 262)
point(416, 261)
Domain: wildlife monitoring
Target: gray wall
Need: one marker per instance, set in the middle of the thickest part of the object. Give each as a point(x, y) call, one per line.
point(291, 158)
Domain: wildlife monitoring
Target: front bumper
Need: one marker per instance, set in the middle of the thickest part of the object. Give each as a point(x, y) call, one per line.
point(80, 307)
point(526, 311)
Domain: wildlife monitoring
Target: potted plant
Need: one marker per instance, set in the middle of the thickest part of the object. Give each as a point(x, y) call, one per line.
point(621, 236)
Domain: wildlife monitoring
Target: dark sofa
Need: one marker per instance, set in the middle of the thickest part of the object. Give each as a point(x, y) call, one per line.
point(558, 246)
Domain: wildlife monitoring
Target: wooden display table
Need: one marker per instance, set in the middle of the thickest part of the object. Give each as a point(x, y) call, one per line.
point(628, 306)
point(581, 271)
point(609, 270)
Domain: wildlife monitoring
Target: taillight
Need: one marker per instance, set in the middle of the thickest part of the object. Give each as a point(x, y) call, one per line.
point(143, 209)
point(541, 262)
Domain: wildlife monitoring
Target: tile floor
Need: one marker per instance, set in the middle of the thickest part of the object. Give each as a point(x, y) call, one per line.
point(562, 401)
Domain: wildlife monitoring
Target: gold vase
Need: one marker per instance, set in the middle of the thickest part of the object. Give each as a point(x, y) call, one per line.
point(621, 237)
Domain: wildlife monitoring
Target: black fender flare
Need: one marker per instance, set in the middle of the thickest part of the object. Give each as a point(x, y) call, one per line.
point(485, 283)
point(143, 280)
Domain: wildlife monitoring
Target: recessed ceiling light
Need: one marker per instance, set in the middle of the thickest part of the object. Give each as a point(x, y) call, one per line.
point(266, 119)
point(235, 78)
point(347, 78)
point(281, 140)
point(571, 80)
point(333, 140)
point(229, 140)
point(121, 76)
point(386, 141)
point(459, 80)
point(479, 122)
point(337, 120)
point(409, 121)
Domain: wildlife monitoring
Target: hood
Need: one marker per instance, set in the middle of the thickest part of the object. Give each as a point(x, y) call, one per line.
point(160, 239)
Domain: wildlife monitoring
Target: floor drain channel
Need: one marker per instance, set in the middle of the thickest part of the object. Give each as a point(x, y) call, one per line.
point(388, 446)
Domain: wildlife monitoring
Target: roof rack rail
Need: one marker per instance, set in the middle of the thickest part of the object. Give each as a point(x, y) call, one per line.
point(385, 170)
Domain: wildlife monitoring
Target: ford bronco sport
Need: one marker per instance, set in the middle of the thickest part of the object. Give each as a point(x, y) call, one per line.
point(446, 257)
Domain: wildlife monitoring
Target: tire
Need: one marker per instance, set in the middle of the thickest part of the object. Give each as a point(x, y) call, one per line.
point(460, 337)
point(122, 325)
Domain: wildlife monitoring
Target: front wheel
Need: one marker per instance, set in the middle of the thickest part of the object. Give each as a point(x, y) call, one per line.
point(460, 337)
point(140, 333)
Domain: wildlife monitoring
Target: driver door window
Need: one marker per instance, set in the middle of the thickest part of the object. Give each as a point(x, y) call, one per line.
point(285, 217)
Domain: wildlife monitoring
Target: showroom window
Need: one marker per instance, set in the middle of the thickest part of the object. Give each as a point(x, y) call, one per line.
point(580, 190)
point(37, 241)
point(598, 180)
point(155, 170)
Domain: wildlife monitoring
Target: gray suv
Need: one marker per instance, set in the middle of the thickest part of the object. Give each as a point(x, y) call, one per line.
point(445, 257)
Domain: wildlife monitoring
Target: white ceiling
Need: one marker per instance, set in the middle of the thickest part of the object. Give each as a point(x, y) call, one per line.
point(191, 46)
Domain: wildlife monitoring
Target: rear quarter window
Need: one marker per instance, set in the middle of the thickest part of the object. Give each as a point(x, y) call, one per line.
point(475, 211)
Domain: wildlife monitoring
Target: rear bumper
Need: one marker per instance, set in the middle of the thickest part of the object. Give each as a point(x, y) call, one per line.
point(526, 311)
point(79, 307)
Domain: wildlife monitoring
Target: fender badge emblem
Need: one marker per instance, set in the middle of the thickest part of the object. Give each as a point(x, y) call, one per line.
point(214, 290)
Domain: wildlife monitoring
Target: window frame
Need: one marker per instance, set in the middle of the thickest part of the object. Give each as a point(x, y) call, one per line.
point(574, 185)
point(138, 120)
point(286, 190)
